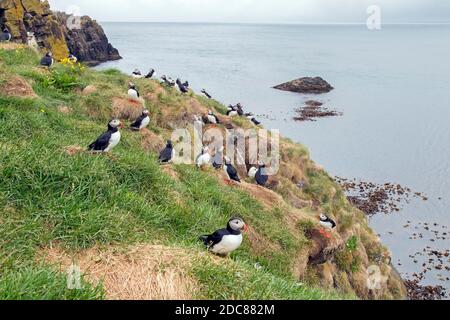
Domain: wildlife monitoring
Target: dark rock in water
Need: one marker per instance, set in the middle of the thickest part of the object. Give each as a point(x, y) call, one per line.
point(306, 85)
point(89, 44)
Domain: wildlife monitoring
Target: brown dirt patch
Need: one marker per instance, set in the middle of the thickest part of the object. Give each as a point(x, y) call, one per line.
point(73, 150)
point(17, 87)
point(151, 141)
point(143, 272)
point(89, 90)
point(64, 109)
point(267, 197)
point(170, 171)
point(124, 108)
point(11, 46)
point(261, 245)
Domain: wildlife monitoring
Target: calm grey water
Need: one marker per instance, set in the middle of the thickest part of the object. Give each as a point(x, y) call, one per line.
point(393, 86)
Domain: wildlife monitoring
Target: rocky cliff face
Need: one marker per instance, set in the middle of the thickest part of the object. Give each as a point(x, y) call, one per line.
point(88, 43)
point(32, 21)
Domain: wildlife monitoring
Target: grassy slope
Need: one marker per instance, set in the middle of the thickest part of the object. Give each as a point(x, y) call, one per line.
point(82, 201)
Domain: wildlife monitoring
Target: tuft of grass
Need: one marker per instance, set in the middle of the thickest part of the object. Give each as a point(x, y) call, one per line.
point(42, 283)
point(237, 281)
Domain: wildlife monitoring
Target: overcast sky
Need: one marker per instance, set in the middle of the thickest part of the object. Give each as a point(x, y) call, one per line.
point(259, 11)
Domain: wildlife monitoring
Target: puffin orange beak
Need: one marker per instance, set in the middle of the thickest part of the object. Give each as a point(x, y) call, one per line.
point(246, 228)
point(122, 126)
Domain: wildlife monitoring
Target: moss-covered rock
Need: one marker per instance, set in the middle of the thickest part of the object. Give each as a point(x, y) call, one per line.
point(33, 19)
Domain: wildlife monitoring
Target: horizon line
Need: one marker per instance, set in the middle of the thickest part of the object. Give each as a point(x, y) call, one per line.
point(276, 23)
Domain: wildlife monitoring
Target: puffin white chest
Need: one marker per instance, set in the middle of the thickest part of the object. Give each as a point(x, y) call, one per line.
point(212, 119)
point(204, 159)
point(114, 141)
point(145, 123)
point(133, 94)
point(228, 244)
point(252, 172)
point(326, 224)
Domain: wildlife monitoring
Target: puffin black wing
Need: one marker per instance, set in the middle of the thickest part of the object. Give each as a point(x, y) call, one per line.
point(102, 142)
point(165, 155)
point(333, 224)
point(261, 177)
point(232, 172)
point(215, 238)
point(4, 36)
point(46, 61)
point(137, 124)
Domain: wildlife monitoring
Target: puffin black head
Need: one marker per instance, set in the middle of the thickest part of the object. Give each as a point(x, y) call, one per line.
point(146, 112)
point(237, 224)
point(132, 85)
point(115, 124)
point(169, 144)
point(136, 71)
point(323, 217)
point(261, 164)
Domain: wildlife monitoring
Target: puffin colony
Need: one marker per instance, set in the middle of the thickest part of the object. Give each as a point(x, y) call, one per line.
point(221, 242)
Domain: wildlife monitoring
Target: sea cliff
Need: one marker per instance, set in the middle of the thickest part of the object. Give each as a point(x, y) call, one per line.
point(33, 22)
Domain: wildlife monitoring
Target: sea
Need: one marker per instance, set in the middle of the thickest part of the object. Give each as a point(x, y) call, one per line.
point(392, 86)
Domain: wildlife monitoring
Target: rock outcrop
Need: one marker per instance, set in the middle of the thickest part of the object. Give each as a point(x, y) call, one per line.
point(306, 85)
point(33, 18)
point(89, 43)
point(33, 22)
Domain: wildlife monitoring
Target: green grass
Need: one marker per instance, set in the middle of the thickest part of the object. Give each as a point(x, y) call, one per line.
point(229, 281)
point(84, 200)
point(41, 283)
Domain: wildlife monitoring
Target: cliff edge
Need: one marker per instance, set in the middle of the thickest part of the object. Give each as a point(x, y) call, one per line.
point(33, 22)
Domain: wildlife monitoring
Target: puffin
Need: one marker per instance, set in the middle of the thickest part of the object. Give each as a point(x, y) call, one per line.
point(217, 160)
point(168, 81)
point(205, 158)
point(326, 222)
point(261, 176)
point(240, 109)
point(225, 241)
point(231, 170)
point(108, 140)
point(47, 60)
point(212, 118)
point(252, 172)
point(5, 36)
point(206, 94)
point(328, 226)
point(166, 156)
point(183, 88)
point(133, 93)
point(137, 74)
point(252, 119)
point(72, 58)
point(142, 122)
point(150, 74)
point(232, 111)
